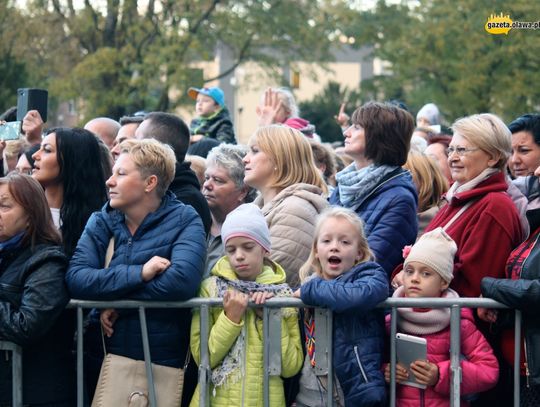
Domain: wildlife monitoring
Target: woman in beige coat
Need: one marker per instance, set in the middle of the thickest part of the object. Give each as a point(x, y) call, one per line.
point(280, 165)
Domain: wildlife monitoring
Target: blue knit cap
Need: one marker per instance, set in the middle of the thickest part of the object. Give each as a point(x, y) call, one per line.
point(214, 92)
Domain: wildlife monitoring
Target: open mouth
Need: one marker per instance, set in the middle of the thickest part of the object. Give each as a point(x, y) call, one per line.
point(334, 260)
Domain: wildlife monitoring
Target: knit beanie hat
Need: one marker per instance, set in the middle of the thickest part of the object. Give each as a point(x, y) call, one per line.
point(248, 221)
point(435, 249)
point(430, 112)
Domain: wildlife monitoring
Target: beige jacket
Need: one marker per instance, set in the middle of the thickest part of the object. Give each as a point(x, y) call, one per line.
point(291, 217)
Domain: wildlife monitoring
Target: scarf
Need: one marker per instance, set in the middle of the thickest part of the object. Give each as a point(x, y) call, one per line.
point(457, 188)
point(11, 243)
point(354, 185)
point(423, 323)
point(232, 367)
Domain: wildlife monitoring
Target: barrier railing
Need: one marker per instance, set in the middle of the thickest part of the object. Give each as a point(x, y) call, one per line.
point(272, 345)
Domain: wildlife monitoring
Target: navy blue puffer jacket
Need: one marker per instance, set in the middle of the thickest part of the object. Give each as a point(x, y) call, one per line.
point(174, 231)
point(389, 215)
point(358, 329)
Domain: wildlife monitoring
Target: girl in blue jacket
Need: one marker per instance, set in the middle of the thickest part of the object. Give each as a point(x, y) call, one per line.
point(340, 275)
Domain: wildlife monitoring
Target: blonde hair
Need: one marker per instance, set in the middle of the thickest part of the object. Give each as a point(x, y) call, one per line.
point(487, 132)
point(427, 177)
point(152, 158)
point(290, 153)
point(313, 264)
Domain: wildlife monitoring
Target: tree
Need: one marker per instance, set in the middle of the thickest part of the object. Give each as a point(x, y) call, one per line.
point(132, 53)
point(439, 52)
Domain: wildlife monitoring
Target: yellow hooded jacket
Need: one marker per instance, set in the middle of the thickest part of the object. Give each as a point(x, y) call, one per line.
point(248, 389)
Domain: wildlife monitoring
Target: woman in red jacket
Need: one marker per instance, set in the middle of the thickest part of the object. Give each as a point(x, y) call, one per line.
point(479, 215)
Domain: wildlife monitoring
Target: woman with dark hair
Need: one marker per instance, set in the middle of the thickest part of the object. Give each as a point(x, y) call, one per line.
point(65, 166)
point(375, 185)
point(33, 295)
point(525, 157)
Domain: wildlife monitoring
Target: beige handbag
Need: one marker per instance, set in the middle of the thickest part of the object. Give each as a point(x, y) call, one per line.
point(123, 381)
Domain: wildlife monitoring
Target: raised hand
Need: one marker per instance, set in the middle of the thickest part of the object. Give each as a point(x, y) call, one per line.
point(342, 118)
point(32, 126)
point(270, 108)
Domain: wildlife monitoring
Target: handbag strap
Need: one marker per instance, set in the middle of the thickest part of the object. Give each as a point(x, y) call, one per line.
point(108, 257)
point(458, 214)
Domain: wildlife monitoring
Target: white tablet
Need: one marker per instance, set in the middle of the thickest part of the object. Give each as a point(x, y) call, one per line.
point(408, 350)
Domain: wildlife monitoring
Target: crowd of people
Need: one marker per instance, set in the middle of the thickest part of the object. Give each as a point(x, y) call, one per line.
point(149, 208)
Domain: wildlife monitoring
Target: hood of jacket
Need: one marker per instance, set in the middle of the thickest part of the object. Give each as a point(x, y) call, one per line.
point(113, 218)
point(272, 272)
point(309, 193)
point(184, 175)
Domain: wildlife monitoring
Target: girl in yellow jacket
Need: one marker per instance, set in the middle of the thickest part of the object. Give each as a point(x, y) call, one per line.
point(235, 343)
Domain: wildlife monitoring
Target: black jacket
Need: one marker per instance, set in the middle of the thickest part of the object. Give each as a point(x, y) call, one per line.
point(187, 189)
point(33, 296)
point(523, 294)
point(218, 126)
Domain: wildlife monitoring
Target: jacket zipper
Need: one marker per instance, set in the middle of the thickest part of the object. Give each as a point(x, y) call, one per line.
point(527, 373)
point(360, 364)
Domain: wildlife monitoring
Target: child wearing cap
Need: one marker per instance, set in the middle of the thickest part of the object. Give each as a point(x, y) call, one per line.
point(428, 271)
point(213, 119)
point(236, 336)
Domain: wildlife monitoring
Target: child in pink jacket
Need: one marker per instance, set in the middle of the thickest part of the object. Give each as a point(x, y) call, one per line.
point(428, 270)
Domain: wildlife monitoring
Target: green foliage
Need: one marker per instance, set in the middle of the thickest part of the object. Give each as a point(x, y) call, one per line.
point(128, 55)
point(439, 52)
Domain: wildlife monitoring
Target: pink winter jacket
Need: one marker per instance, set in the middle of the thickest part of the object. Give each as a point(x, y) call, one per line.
point(480, 369)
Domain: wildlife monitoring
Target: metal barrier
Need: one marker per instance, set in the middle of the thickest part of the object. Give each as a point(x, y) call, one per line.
point(272, 345)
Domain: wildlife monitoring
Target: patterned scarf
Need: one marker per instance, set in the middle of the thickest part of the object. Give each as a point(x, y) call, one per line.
point(354, 185)
point(309, 324)
point(232, 367)
point(427, 322)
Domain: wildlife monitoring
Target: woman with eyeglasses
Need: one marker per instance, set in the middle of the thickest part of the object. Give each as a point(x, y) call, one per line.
point(479, 215)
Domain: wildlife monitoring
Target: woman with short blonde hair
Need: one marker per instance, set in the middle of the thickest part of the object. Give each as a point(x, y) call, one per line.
point(156, 250)
point(280, 165)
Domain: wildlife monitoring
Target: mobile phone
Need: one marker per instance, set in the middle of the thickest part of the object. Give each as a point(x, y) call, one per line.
point(10, 131)
point(32, 99)
point(409, 349)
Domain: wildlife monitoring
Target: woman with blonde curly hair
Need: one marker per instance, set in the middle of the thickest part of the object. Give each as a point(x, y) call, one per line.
point(280, 165)
point(430, 184)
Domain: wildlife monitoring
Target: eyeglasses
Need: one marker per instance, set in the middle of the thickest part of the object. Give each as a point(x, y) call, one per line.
point(460, 151)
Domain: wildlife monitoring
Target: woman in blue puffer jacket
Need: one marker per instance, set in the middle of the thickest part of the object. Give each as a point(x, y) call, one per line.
point(375, 185)
point(159, 254)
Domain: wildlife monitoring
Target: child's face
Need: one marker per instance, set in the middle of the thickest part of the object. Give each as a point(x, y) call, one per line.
point(246, 257)
point(205, 105)
point(337, 247)
point(420, 280)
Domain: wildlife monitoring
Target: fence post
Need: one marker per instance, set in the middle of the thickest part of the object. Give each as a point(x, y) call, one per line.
point(204, 366)
point(147, 358)
point(393, 357)
point(80, 359)
point(455, 363)
point(517, 357)
point(16, 372)
point(271, 348)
